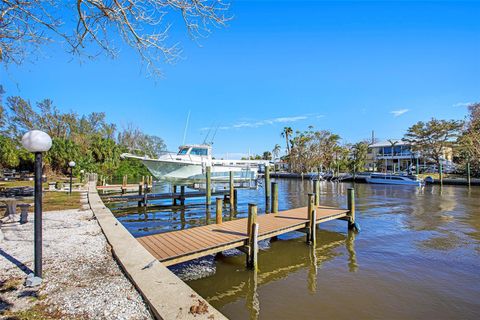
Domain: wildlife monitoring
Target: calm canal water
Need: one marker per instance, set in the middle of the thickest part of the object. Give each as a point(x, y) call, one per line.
point(417, 256)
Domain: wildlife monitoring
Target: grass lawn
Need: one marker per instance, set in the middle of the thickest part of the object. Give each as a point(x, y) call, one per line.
point(54, 200)
point(13, 184)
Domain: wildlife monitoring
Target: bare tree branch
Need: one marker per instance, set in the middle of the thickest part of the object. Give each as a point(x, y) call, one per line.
point(141, 24)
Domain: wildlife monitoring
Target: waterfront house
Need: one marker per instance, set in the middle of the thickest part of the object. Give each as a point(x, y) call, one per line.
point(397, 155)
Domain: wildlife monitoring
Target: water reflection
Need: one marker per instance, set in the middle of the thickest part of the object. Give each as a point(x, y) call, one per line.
point(426, 238)
point(350, 246)
point(277, 260)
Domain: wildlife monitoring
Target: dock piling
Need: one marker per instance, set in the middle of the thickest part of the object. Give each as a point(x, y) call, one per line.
point(311, 234)
point(316, 189)
point(252, 236)
point(208, 176)
point(140, 192)
point(351, 208)
point(468, 173)
point(235, 197)
point(219, 205)
point(253, 262)
point(267, 189)
point(145, 195)
point(232, 193)
point(274, 197)
point(174, 199)
point(182, 195)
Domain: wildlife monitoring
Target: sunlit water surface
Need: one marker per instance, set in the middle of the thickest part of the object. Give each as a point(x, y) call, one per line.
point(417, 256)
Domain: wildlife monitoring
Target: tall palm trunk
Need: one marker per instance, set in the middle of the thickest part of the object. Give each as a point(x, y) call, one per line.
point(288, 144)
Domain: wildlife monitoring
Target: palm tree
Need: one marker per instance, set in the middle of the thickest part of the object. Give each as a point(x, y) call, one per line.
point(276, 151)
point(287, 131)
point(393, 144)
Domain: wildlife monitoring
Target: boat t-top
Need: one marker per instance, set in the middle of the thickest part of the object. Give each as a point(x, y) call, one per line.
point(189, 165)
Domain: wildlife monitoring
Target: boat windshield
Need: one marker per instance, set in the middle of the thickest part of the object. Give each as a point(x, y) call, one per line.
point(199, 152)
point(183, 151)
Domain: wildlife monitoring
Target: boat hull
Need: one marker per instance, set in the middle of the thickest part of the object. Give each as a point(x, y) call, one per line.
point(394, 182)
point(187, 173)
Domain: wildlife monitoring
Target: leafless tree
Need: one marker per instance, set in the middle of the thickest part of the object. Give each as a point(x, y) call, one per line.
point(141, 24)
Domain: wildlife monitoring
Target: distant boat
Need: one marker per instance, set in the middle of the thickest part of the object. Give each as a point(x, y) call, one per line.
point(380, 178)
point(189, 165)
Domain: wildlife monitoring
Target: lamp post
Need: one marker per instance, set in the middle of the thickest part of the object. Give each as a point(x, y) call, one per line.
point(37, 142)
point(71, 164)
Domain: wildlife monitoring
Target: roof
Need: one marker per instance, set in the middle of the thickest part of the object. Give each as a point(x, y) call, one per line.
point(387, 143)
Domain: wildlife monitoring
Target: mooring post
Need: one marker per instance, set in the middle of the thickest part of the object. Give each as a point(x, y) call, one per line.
point(145, 196)
point(124, 184)
point(468, 173)
point(140, 192)
point(440, 171)
point(174, 196)
point(267, 188)
point(208, 176)
point(182, 195)
point(274, 197)
point(235, 197)
point(351, 208)
point(311, 234)
point(231, 192)
point(316, 188)
point(251, 237)
point(219, 205)
point(254, 247)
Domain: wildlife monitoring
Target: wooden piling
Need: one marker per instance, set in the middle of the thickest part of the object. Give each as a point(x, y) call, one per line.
point(440, 171)
point(232, 188)
point(174, 199)
point(267, 188)
point(313, 227)
point(235, 197)
point(182, 195)
point(219, 205)
point(274, 197)
point(252, 217)
point(351, 207)
point(468, 173)
point(253, 244)
point(124, 184)
point(252, 236)
point(145, 196)
point(311, 219)
point(316, 189)
point(140, 192)
point(208, 176)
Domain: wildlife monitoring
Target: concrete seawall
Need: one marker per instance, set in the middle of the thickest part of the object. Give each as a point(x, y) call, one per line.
point(167, 296)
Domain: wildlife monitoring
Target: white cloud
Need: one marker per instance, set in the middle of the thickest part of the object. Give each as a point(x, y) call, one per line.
point(462, 104)
point(260, 123)
point(398, 113)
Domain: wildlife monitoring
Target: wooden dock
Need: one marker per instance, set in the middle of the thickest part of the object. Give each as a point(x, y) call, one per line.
point(181, 246)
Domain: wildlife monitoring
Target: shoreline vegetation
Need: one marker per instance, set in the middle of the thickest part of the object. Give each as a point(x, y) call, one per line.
point(322, 151)
point(96, 145)
point(89, 140)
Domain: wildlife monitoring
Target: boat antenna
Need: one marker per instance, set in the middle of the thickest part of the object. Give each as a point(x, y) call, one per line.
point(214, 134)
point(186, 127)
point(206, 137)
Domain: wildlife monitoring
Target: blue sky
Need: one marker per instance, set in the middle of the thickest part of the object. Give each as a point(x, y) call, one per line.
point(348, 67)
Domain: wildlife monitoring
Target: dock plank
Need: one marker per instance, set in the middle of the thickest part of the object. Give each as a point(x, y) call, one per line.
point(188, 244)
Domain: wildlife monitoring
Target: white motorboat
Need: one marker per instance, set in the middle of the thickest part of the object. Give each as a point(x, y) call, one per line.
point(189, 165)
point(381, 178)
